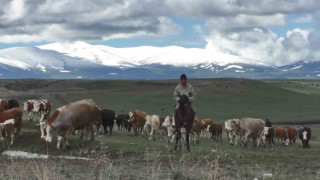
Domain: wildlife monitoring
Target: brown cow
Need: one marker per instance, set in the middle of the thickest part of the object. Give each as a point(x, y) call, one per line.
point(216, 131)
point(7, 130)
point(28, 106)
point(13, 113)
point(197, 129)
point(138, 119)
point(204, 124)
point(281, 134)
point(292, 134)
point(4, 105)
point(80, 115)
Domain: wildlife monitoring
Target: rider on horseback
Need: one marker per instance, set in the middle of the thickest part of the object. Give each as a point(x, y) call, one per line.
point(184, 88)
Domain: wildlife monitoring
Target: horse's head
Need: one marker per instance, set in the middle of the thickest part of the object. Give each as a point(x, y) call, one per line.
point(184, 100)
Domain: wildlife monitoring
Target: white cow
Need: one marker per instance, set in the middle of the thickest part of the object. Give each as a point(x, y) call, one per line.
point(169, 124)
point(155, 126)
point(247, 128)
point(28, 106)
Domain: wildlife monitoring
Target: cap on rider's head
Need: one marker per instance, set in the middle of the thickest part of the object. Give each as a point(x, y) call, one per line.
point(183, 76)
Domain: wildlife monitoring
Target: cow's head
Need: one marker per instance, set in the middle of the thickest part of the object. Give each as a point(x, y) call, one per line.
point(25, 106)
point(49, 133)
point(166, 122)
point(43, 129)
point(234, 128)
point(130, 117)
point(36, 106)
point(208, 128)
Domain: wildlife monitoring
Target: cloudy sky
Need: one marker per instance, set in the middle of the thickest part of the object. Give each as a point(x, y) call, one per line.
point(275, 32)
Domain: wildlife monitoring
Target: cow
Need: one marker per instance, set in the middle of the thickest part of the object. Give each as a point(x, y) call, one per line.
point(281, 134)
point(43, 125)
point(13, 113)
point(305, 135)
point(4, 105)
point(204, 125)
point(138, 119)
point(216, 131)
point(80, 115)
point(169, 125)
point(43, 107)
point(292, 135)
point(7, 130)
point(196, 130)
point(28, 106)
point(227, 127)
point(155, 126)
point(107, 117)
point(247, 128)
point(13, 103)
point(268, 136)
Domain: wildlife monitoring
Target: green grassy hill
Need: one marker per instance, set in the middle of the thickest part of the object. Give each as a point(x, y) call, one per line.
point(219, 99)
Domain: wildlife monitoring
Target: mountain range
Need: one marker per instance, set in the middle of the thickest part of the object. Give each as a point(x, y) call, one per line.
point(86, 61)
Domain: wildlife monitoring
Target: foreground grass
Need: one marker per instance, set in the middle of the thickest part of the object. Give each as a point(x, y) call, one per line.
point(125, 155)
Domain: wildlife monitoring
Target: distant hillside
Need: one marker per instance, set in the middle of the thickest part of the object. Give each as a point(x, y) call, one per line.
point(219, 99)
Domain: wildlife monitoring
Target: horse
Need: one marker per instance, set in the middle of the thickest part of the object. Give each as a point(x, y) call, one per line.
point(184, 118)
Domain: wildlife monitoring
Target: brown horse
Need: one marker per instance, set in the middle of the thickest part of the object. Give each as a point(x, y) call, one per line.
point(184, 118)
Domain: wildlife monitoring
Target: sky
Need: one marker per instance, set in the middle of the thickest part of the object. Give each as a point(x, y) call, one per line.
point(275, 32)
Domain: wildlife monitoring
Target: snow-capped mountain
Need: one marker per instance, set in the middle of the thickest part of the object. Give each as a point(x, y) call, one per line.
point(83, 60)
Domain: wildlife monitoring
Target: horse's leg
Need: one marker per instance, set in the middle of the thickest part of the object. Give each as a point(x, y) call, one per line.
point(187, 140)
point(177, 139)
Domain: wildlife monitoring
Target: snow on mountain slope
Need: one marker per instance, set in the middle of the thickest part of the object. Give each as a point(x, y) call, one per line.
point(27, 58)
point(135, 56)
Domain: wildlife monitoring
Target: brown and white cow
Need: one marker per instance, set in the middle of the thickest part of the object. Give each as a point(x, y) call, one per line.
point(247, 128)
point(204, 125)
point(43, 107)
point(80, 115)
point(13, 113)
point(138, 119)
point(28, 106)
point(196, 130)
point(44, 125)
point(7, 130)
point(281, 135)
point(268, 136)
point(169, 125)
point(292, 135)
point(216, 131)
point(4, 105)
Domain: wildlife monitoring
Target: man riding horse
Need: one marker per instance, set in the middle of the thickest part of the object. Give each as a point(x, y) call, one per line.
point(184, 113)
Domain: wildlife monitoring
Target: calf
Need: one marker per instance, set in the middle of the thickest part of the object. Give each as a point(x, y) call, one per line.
point(281, 134)
point(7, 130)
point(305, 135)
point(138, 119)
point(268, 136)
point(204, 124)
point(216, 131)
point(28, 106)
point(13, 113)
point(4, 105)
point(196, 129)
point(292, 134)
point(155, 126)
point(107, 117)
point(169, 125)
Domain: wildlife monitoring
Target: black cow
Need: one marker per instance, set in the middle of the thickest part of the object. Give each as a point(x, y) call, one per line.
point(120, 119)
point(107, 117)
point(13, 103)
point(305, 135)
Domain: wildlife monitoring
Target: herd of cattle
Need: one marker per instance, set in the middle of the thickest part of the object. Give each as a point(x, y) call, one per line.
point(86, 117)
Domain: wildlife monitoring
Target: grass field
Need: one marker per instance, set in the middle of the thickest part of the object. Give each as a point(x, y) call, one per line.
point(124, 156)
